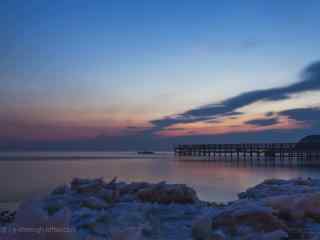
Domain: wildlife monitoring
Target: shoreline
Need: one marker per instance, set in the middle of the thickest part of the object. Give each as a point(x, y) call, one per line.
point(273, 209)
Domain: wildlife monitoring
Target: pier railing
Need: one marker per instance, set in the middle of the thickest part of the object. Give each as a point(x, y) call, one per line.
point(282, 151)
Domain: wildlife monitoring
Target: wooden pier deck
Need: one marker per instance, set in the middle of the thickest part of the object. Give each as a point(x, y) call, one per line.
point(299, 152)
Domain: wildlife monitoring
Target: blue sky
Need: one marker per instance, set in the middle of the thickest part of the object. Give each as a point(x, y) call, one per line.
point(97, 66)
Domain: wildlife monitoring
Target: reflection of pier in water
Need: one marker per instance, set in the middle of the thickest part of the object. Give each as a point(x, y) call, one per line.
point(301, 153)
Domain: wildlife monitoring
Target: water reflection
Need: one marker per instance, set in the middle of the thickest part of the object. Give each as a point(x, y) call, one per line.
point(214, 181)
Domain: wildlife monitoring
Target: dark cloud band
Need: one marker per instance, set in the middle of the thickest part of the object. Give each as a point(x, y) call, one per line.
point(310, 81)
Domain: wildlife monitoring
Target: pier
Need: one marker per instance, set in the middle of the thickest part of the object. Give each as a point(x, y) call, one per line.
point(303, 152)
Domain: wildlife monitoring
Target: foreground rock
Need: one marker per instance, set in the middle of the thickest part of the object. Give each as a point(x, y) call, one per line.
point(94, 209)
point(118, 210)
point(244, 219)
point(296, 207)
point(33, 222)
point(168, 193)
point(7, 217)
point(277, 187)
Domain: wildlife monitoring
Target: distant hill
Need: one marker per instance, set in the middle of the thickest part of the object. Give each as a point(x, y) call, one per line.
point(310, 142)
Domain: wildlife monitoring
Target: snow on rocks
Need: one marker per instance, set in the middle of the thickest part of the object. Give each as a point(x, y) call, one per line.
point(297, 206)
point(86, 185)
point(202, 228)
point(276, 235)
point(98, 210)
point(128, 234)
point(32, 222)
point(94, 203)
point(7, 217)
point(168, 193)
point(107, 195)
point(244, 217)
point(118, 210)
point(276, 187)
point(60, 190)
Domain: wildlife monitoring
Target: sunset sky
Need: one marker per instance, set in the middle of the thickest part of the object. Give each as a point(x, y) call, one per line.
point(159, 69)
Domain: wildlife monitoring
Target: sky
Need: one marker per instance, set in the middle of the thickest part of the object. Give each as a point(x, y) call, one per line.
point(134, 73)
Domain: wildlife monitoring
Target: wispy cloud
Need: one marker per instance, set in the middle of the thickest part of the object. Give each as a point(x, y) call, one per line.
point(310, 81)
point(263, 122)
point(306, 115)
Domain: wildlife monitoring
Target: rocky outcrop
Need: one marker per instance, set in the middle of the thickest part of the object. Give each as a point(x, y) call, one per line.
point(139, 191)
point(94, 209)
point(277, 187)
point(244, 217)
point(167, 193)
point(296, 207)
point(7, 217)
point(119, 210)
point(32, 222)
point(86, 185)
point(94, 203)
point(202, 228)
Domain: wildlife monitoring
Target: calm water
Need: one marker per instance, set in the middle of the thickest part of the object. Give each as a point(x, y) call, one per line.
point(25, 175)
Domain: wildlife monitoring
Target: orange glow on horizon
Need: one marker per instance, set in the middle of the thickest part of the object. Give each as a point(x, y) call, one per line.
point(228, 125)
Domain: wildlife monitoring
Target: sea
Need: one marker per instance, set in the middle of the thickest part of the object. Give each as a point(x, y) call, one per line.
point(25, 175)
